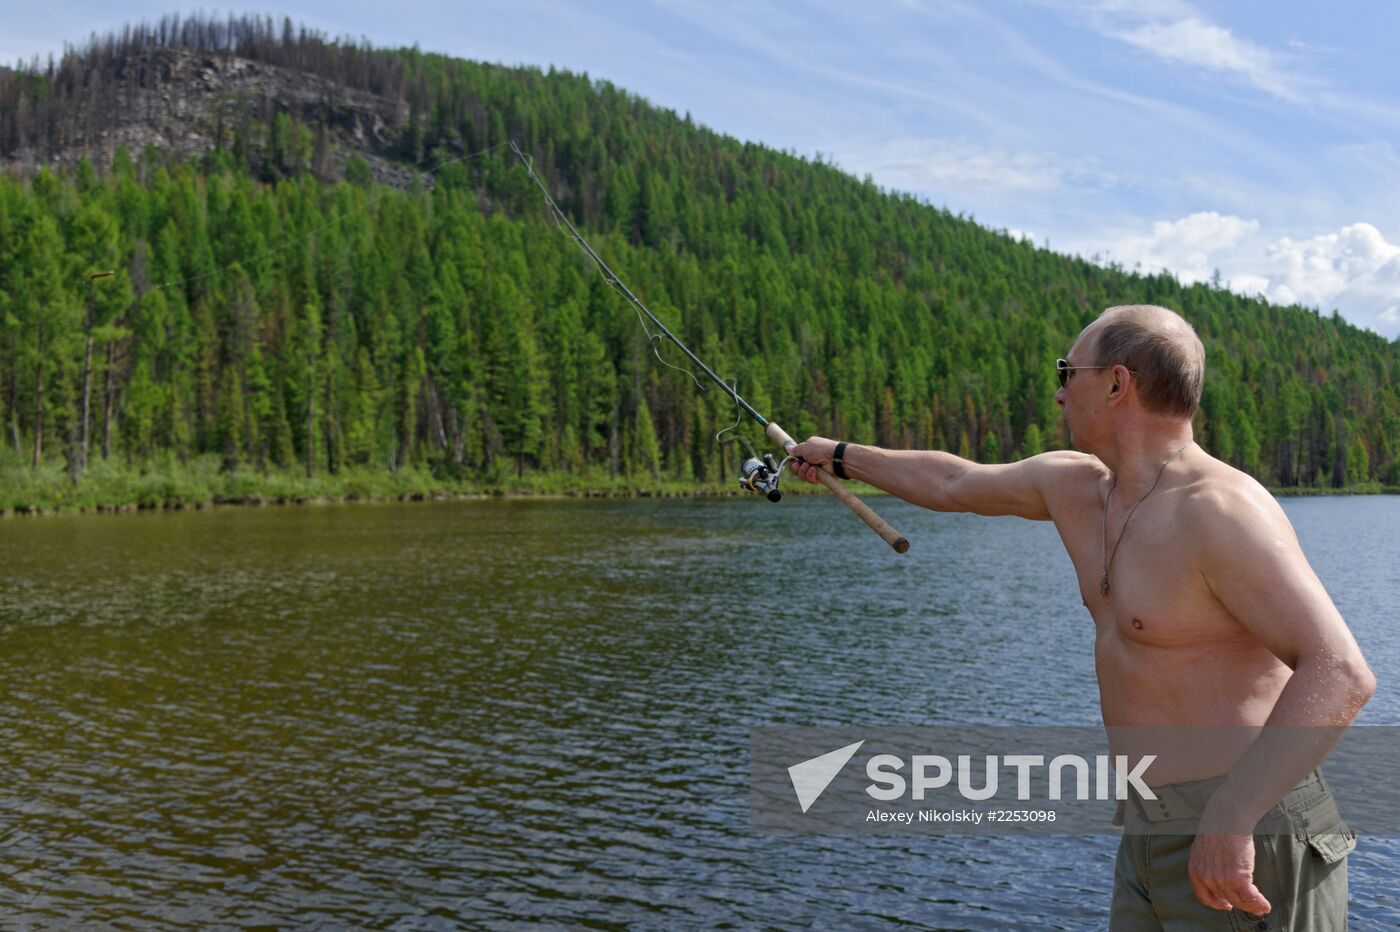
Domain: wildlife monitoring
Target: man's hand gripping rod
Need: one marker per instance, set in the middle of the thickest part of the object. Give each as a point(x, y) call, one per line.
point(867, 514)
point(773, 431)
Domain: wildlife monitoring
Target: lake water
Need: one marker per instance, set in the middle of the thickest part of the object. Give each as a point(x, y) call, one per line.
point(523, 713)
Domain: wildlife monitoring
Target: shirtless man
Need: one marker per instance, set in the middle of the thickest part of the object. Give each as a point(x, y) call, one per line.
point(1206, 614)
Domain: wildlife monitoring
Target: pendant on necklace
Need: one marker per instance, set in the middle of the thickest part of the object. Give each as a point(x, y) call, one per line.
point(1103, 586)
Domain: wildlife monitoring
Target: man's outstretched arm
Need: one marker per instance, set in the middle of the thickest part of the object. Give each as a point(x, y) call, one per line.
point(944, 482)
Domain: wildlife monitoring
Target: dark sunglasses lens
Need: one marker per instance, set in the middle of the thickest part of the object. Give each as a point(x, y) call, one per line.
point(1062, 370)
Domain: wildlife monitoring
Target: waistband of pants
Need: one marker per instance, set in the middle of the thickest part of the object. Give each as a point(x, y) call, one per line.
point(1188, 800)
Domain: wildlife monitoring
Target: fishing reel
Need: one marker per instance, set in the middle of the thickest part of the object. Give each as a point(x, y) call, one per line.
point(762, 475)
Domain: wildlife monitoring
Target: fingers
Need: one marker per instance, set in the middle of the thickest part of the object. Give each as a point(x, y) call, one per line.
point(1236, 893)
point(813, 455)
point(1231, 893)
point(1221, 871)
point(1207, 896)
point(1243, 894)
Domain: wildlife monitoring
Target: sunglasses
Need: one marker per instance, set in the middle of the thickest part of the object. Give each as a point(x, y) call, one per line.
point(1063, 369)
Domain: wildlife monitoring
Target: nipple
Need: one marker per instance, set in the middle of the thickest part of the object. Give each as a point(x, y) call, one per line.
point(1137, 624)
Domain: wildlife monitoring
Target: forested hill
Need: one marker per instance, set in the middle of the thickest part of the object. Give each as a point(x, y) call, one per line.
point(287, 297)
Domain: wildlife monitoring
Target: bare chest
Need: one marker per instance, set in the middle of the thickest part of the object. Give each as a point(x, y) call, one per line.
point(1153, 592)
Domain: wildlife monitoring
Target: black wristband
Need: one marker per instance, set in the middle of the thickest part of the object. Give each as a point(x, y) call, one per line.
point(836, 465)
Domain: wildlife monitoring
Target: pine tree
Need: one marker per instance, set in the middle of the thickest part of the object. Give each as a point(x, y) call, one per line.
point(230, 419)
point(45, 315)
point(646, 452)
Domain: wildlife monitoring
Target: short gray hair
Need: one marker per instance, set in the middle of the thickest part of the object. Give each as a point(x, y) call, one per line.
point(1162, 350)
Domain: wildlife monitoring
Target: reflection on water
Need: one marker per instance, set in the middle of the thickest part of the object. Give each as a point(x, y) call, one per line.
point(503, 712)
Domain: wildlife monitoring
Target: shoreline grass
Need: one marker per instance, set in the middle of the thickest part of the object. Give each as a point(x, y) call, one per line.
point(202, 483)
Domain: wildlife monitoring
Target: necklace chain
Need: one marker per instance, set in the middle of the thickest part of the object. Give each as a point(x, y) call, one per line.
point(1108, 557)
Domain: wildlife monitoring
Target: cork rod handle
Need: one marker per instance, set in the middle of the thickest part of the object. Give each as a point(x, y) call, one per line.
point(877, 524)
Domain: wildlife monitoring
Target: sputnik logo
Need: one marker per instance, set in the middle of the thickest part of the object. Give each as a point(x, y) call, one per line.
point(811, 777)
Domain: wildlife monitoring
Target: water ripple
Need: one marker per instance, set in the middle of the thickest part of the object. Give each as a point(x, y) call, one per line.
point(520, 715)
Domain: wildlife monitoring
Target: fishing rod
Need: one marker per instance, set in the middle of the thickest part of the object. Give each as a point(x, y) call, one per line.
point(758, 475)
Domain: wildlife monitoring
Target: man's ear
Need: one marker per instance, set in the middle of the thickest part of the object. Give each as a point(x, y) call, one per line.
point(1118, 388)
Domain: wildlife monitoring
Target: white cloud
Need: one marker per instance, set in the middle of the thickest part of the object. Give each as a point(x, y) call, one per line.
point(1212, 48)
point(1175, 32)
point(1190, 247)
point(1248, 284)
point(1355, 269)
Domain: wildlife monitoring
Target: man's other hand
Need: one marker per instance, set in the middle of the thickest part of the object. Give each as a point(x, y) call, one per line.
point(1222, 873)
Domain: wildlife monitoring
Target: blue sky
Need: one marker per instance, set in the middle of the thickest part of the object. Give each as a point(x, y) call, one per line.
point(1254, 138)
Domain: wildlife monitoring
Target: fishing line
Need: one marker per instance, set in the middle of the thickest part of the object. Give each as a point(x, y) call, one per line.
point(762, 474)
point(738, 416)
point(771, 469)
point(653, 339)
point(561, 222)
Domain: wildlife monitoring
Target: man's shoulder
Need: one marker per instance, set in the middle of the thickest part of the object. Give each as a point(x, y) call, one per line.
point(1220, 503)
point(1069, 479)
point(1070, 461)
point(1065, 469)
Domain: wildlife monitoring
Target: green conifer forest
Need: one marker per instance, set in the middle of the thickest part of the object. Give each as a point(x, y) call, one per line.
point(279, 321)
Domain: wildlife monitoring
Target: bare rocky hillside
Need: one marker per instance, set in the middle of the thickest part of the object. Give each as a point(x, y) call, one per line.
point(189, 103)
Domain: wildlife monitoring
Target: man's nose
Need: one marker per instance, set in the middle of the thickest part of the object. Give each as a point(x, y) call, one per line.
point(1060, 397)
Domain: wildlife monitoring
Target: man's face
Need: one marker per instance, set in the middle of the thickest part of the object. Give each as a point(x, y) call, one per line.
point(1073, 396)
